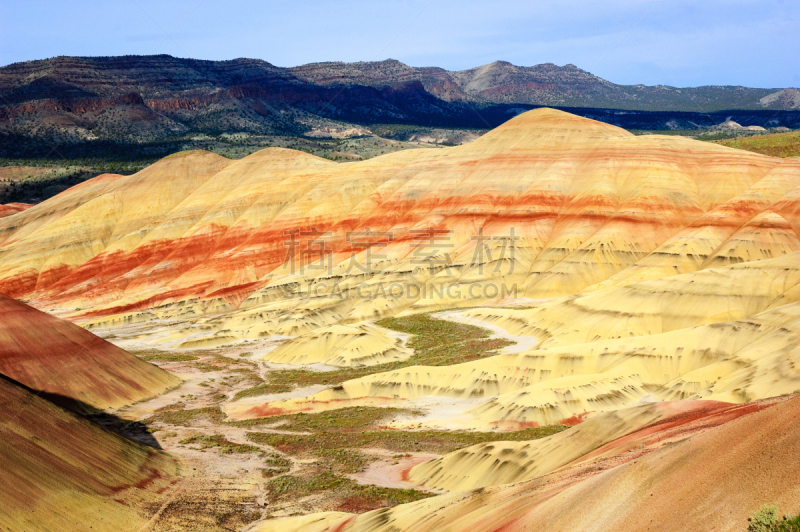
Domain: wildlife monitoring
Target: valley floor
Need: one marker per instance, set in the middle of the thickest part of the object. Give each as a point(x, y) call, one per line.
point(348, 460)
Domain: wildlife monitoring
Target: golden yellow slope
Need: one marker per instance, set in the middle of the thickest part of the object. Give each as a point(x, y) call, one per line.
point(586, 199)
point(341, 345)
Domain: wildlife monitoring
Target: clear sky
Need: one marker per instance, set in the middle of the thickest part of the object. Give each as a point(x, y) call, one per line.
point(673, 42)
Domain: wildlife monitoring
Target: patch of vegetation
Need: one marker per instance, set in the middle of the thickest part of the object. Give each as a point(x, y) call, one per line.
point(363, 498)
point(215, 362)
point(262, 389)
point(394, 440)
point(343, 461)
point(197, 353)
point(177, 414)
point(218, 440)
point(354, 496)
point(766, 520)
point(343, 420)
point(203, 360)
point(776, 145)
point(435, 343)
point(276, 465)
point(298, 487)
point(205, 367)
point(328, 476)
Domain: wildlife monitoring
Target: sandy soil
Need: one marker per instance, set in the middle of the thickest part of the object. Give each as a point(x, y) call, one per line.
point(391, 469)
point(442, 413)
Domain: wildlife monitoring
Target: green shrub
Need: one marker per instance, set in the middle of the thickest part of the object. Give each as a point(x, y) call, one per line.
point(766, 520)
point(790, 523)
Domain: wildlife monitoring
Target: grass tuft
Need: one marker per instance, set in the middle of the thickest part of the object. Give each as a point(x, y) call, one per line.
point(395, 440)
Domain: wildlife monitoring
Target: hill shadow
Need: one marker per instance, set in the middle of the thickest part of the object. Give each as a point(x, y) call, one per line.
point(134, 431)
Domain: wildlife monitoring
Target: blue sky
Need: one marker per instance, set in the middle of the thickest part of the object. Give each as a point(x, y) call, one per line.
point(671, 42)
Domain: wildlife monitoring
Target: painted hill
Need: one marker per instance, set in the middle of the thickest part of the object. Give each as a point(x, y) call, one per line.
point(63, 360)
point(678, 259)
point(709, 480)
point(624, 270)
point(540, 171)
point(63, 473)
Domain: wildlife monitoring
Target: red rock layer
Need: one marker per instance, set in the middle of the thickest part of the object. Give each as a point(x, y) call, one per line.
point(13, 208)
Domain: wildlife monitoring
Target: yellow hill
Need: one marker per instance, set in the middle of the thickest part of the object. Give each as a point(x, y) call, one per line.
point(341, 345)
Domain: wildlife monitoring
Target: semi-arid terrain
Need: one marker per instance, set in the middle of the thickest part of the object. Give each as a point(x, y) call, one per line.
point(553, 325)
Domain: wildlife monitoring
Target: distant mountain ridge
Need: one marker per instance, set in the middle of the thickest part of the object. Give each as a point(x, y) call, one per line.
point(149, 98)
point(544, 84)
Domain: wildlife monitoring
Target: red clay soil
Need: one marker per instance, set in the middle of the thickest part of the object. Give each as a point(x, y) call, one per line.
point(183, 253)
point(52, 355)
point(13, 208)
